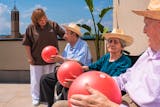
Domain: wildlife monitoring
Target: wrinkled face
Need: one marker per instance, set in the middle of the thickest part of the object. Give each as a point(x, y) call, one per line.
point(152, 30)
point(69, 36)
point(114, 45)
point(42, 22)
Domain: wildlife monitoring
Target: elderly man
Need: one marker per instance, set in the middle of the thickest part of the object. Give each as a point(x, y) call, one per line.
point(76, 49)
point(142, 81)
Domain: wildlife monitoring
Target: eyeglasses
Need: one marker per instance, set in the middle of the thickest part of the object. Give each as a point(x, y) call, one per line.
point(115, 41)
point(69, 32)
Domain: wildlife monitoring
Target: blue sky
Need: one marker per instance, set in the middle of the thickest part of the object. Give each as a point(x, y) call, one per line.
point(61, 11)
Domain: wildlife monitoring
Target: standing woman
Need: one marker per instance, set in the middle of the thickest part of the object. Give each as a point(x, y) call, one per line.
point(39, 34)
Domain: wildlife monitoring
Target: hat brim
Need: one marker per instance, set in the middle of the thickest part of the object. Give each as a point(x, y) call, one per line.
point(73, 30)
point(148, 13)
point(128, 39)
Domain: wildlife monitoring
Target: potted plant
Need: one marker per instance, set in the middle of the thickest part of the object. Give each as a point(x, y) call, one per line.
point(98, 29)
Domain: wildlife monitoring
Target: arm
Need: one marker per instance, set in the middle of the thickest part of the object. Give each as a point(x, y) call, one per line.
point(60, 59)
point(121, 66)
point(99, 63)
point(27, 42)
point(28, 51)
point(95, 99)
point(59, 29)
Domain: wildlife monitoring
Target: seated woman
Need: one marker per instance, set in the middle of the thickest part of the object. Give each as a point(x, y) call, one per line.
point(114, 62)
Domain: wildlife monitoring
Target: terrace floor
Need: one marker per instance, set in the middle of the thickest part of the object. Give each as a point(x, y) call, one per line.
point(16, 95)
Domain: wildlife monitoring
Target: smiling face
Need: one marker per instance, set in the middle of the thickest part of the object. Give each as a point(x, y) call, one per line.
point(152, 30)
point(114, 46)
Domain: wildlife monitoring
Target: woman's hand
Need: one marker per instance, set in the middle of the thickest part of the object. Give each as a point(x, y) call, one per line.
point(85, 68)
point(95, 99)
point(31, 61)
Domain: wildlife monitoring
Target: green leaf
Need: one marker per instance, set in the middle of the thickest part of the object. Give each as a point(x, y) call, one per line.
point(87, 34)
point(104, 11)
point(105, 30)
point(88, 28)
point(90, 5)
point(79, 25)
point(100, 27)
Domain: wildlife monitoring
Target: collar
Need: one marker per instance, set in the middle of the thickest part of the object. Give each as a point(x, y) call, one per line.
point(153, 54)
point(76, 44)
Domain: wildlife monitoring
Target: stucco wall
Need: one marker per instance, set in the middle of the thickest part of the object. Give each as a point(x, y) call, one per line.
point(131, 23)
point(13, 54)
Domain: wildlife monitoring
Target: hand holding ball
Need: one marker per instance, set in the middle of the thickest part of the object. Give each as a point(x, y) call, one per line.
point(47, 52)
point(68, 70)
point(99, 81)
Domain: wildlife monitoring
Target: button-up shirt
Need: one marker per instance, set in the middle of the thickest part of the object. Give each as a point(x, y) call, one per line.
point(142, 81)
point(80, 52)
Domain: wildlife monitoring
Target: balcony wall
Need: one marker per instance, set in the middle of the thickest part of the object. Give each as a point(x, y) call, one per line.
point(13, 56)
point(14, 67)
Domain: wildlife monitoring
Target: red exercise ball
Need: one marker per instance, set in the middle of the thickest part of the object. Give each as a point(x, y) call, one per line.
point(68, 70)
point(99, 81)
point(47, 52)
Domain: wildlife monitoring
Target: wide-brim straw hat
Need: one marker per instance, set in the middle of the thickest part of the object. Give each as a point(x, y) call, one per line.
point(152, 11)
point(119, 33)
point(74, 28)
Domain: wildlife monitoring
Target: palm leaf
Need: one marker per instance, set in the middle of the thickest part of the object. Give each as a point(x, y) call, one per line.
point(104, 11)
point(90, 5)
point(88, 28)
point(100, 27)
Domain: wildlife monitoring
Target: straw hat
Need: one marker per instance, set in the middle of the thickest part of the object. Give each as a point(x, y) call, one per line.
point(119, 33)
point(74, 28)
point(153, 10)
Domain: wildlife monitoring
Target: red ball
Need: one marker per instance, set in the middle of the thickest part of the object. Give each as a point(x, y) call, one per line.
point(68, 70)
point(47, 52)
point(99, 81)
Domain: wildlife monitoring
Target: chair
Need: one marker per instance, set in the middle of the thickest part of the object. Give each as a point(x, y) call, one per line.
point(134, 58)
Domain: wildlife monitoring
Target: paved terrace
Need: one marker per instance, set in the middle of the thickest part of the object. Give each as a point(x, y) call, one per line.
point(16, 95)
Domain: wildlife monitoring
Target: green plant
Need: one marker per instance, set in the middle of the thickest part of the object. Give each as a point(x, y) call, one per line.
point(98, 29)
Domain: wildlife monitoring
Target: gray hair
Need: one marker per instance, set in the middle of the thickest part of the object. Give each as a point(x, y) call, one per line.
point(122, 42)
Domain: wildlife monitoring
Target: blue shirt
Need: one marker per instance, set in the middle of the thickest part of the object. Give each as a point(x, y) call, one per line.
point(79, 52)
point(111, 68)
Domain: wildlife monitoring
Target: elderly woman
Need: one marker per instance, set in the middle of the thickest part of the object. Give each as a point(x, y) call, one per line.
point(114, 62)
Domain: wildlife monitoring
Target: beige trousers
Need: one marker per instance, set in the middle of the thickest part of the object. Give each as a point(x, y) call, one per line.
point(126, 100)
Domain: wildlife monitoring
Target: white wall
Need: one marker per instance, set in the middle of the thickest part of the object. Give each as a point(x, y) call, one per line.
point(131, 23)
